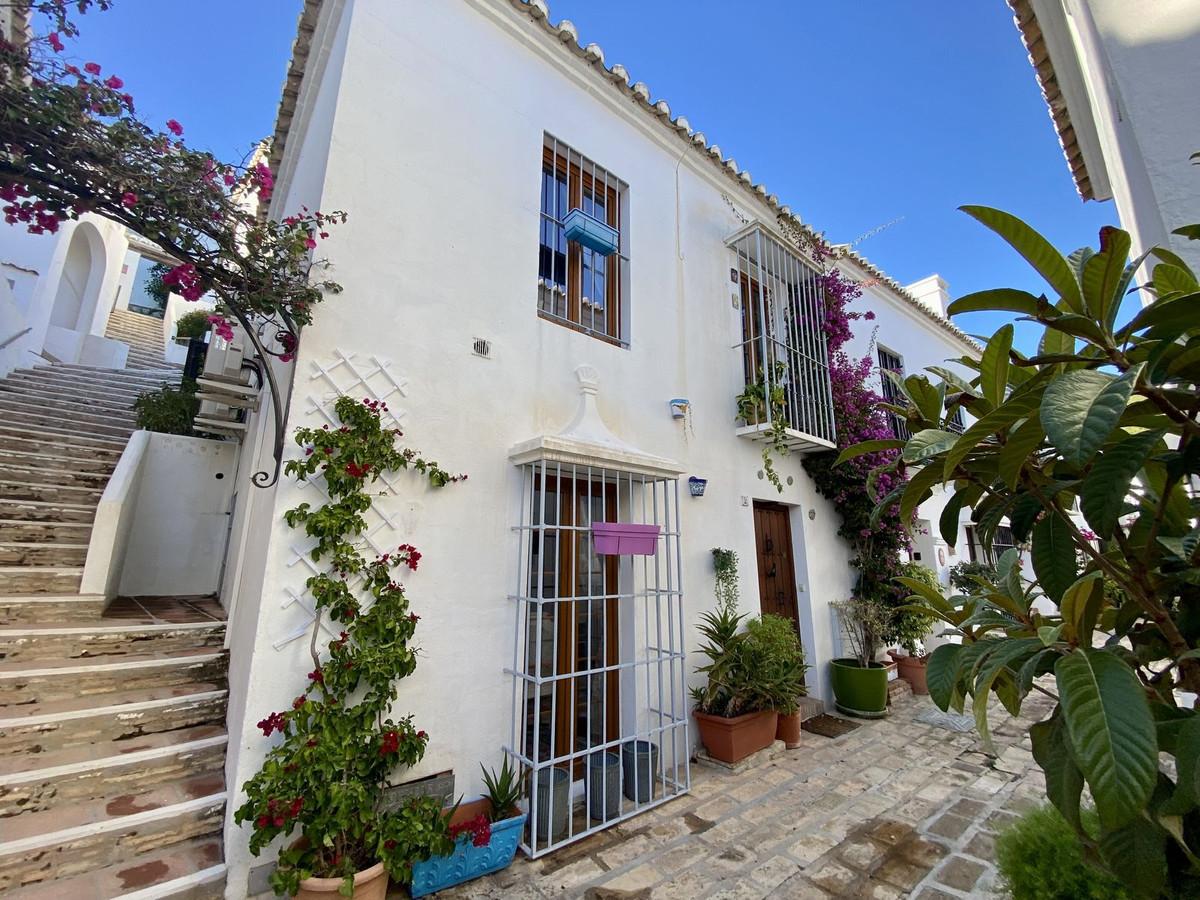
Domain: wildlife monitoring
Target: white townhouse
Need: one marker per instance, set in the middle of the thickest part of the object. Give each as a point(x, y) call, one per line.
point(559, 288)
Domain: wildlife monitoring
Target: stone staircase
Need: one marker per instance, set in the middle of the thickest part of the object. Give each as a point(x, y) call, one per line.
point(143, 334)
point(112, 720)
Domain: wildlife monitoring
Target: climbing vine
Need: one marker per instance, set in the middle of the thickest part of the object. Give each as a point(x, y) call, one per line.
point(339, 742)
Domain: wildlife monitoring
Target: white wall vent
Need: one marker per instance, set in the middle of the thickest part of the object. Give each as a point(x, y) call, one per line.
point(482, 347)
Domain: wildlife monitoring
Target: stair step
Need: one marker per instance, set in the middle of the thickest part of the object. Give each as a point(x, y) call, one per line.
point(120, 384)
point(69, 405)
point(126, 715)
point(46, 511)
point(43, 417)
point(40, 580)
point(23, 553)
point(111, 639)
point(23, 531)
point(166, 371)
point(82, 849)
point(111, 401)
point(34, 608)
point(58, 462)
point(12, 471)
point(37, 781)
point(44, 681)
point(52, 437)
point(49, 493)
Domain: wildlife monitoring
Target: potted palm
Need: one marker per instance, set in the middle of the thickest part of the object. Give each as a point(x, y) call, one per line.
point(485, 833)
point(859, 681)
point(777, 643)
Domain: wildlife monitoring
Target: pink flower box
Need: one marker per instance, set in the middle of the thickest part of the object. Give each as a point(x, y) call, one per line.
point(624, 539)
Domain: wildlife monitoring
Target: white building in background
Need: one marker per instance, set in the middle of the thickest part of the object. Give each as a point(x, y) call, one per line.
point(1120, 78)
point(572, 386)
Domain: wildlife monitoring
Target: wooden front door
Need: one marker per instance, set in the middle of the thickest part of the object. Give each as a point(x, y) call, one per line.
point(776, 569)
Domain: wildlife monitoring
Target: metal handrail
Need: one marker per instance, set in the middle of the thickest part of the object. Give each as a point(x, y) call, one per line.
point(16, 337)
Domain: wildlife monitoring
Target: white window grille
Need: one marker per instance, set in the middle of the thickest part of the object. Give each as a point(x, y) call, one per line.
point(579, 287)
point(783, 343)
point(600, 714)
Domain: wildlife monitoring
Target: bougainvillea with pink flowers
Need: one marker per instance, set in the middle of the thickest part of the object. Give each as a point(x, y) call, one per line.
point(72, 142)
point(324, 778)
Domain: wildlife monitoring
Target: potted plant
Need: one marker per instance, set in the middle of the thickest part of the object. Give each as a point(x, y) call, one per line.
point(485, 834)
point(323, 782)
point(859, 681)
point(735, 709)
point(778, 644)
point(910, 625)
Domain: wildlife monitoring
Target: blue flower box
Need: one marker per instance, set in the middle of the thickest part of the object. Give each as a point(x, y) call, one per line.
point(591, 232)
point(468, 861)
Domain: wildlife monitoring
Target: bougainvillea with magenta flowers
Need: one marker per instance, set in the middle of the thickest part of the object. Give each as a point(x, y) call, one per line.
point(339, 741)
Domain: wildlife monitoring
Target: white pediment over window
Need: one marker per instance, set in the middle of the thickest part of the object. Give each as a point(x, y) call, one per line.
point(587, 440)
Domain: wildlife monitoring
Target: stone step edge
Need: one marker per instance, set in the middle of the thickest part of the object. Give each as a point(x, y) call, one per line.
point(133, 626)
point(40, 570)
point(173, 887)
point(166, 662)
point(111, 762)
point(117, 823)
point(30, 545)
point(9, 599)
point(115, 710)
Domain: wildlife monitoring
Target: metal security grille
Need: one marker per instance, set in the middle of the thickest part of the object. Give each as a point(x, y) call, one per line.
point(600, 711)
point(783, 344)
point(577, 286)
point(892, 362)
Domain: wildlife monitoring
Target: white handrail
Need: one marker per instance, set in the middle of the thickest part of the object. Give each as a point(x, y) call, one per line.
point(114, 521)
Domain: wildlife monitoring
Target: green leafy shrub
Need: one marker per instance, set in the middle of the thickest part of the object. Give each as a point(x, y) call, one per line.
point(725, 564)
point(911, 623)
point(1040, 858)
point(169, 410)
point(775, 648)
point(193, 324)
point(963, 575)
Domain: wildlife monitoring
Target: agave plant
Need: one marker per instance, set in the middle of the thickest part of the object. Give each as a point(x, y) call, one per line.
point(1105, 416)
point(503, 789)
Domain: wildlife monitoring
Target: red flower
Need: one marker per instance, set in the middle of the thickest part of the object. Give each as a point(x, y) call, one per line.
point(55, 42)
point(317, 676)
point(298, 702)
point(274, 722)
point(390, 743)
point(262, 822)
point(129, 199)
point(174, 127)
point(91, 68)
point(114, 82)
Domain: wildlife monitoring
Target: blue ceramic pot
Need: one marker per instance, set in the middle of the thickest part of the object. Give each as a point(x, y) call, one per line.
point(468, 861)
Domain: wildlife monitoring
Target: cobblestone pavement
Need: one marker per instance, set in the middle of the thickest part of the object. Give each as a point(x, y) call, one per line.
point(896, 808)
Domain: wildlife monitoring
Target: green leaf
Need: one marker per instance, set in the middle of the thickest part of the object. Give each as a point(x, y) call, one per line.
point(864, 447)
point(1104, 490)
point(992, 423)
point(927, 443)
point(1080, 606)
point(1081, 408)
point(1172, 279)
point(1111, 730)
point(1049, 634)
point(1055, 342)
point(993, 366)
point(1022, 442)
point(1176, 313)
point(1187, 768)
point(948, 522)
point(1053, 555)
point(1052, 751)
point(1102, 274)
point(1191, 232)
point(1136, 854)
point(925, 397)
point(1000, 299)
point(941, 674)
point(1036, 250)
point(918, 488)
point(1023, 515)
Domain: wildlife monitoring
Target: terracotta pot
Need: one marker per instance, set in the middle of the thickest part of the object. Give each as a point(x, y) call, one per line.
point(788, 730)
point(730, 740)
point(369, 884)
point(913, 670)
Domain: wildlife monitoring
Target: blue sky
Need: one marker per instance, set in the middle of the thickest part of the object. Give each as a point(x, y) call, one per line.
point(855, 114)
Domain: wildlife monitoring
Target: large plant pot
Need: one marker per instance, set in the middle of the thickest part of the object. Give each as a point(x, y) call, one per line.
point(858, 691)
point(913, 669)
point(730, 740)
point(604, 786)
point(639, 765)
point(468, 861)
point(553, 803)
point(369, 884)
point(788, 730)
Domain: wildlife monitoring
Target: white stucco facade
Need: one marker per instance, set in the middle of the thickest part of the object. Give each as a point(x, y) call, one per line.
point(1121, 79)
point(439, 165)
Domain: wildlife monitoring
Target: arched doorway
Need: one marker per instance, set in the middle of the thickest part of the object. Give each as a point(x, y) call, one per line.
point(79, 285)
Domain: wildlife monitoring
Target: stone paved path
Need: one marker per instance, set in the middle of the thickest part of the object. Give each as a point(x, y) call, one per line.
point(896, 808)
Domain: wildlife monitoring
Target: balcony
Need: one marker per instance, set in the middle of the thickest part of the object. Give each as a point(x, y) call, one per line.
point(785, 359)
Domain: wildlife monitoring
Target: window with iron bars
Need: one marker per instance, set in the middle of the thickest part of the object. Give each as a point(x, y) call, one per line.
point(893, 362)
point(579, 287)
point(783, 345)
point(1002, 540)
point(955, 422)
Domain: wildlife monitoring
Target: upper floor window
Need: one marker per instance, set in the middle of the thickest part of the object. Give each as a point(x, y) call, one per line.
point(582, 256)
point(893, 362)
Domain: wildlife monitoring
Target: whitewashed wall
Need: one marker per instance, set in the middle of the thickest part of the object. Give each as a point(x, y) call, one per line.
point(431, 136)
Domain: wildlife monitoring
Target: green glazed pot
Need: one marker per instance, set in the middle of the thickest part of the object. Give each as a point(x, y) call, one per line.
point(858, 691)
